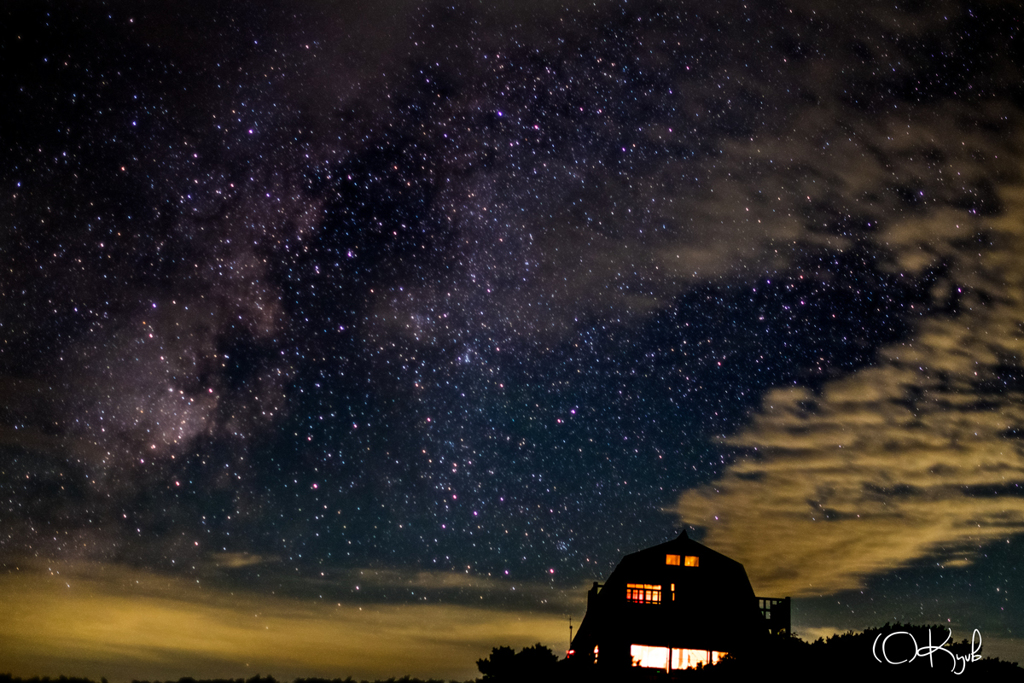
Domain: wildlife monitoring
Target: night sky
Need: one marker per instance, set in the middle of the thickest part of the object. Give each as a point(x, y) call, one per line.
point(341, 339)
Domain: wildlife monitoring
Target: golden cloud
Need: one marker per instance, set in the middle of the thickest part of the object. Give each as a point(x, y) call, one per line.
point(917, 457)
point(227, 560)
point(102, 620)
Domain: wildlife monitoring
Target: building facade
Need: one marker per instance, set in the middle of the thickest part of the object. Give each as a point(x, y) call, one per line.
point(675, 606)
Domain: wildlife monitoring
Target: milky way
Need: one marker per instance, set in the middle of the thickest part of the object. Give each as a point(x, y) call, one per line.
point(468, 288)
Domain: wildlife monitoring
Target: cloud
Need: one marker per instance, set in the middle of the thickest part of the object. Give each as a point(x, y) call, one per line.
point(227, 560)
point(370, 585)
point(107, 621)
point(714, 173)
point(919, 456)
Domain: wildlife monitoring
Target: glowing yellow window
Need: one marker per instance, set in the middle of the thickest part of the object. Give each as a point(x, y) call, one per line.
point(672, 559)
point(691, 561)
point(643, 593)
point(690, 659)
point(650, 656)
point(674, 659)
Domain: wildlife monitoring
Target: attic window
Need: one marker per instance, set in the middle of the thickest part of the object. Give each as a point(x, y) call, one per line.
point(672, 559)
point(643, 593)
point(691, 561)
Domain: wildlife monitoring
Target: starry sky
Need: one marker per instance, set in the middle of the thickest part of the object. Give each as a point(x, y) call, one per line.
point(348, 338)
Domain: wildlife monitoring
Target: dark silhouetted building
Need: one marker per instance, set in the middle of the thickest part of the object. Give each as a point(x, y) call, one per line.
point(674, 606)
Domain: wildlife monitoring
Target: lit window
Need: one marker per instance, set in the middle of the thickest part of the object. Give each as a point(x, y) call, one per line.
point(685, 658)
point(649, 657)
point(597, 651)
point(644, 593)
point(692, 561)
point(672, 559)
point(653, 657)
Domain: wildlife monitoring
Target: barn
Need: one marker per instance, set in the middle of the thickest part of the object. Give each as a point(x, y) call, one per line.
point(674, 606)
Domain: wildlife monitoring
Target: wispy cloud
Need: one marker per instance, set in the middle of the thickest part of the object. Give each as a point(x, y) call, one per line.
point(123, 624)
point(919, 456)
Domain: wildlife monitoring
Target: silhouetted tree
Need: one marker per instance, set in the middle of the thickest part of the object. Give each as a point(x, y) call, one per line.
point(535, 663)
